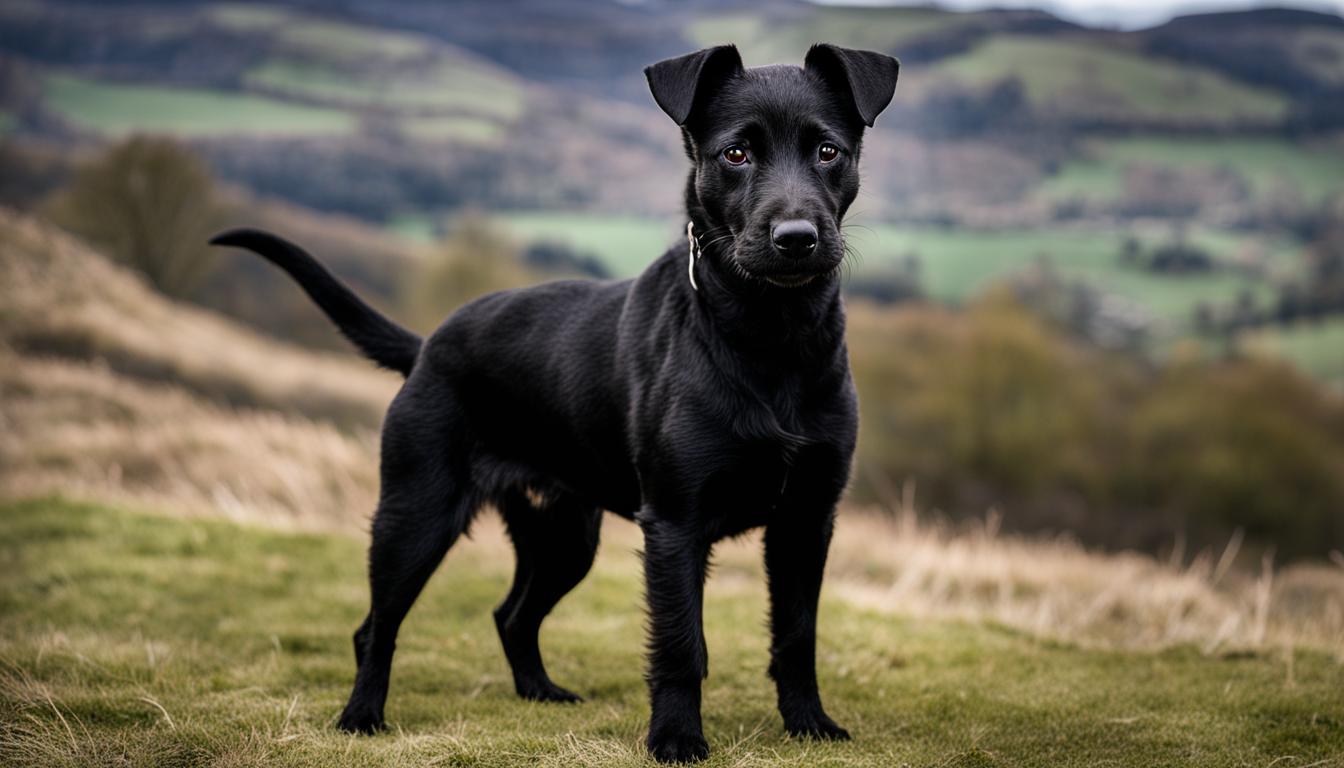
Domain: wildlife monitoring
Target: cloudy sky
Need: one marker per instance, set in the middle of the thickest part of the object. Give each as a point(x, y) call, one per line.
point(1129, 14)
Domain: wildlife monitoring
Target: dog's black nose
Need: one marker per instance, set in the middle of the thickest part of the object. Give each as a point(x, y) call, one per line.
point(795, 238)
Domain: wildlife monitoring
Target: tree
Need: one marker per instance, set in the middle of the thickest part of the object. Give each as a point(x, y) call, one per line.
point(148, 203)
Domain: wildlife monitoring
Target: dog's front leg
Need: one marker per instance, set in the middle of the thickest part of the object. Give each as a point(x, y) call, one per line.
point(675, 558)
point(795, 556)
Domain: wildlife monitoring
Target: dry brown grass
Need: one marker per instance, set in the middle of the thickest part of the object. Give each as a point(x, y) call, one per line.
point(1057, 589)
point(79, 424)
point(86, 431)
point(58, 298)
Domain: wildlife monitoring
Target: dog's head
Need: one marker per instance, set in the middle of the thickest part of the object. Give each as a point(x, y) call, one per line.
point(774, 153)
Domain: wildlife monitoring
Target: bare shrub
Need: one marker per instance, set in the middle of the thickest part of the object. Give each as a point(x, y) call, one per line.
point(150, 204)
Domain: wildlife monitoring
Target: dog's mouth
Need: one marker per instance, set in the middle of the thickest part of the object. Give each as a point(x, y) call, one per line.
point(793, 280)
point(784, 279)
point(749, 263)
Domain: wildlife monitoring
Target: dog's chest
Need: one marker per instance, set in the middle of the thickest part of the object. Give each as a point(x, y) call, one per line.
point(775, 447)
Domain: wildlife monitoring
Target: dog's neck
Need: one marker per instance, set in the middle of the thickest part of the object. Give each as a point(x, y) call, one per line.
point(804, 325)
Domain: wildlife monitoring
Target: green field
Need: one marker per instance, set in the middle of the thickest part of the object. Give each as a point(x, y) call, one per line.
point(119, 109)
point(1078, 75)
point(880, 29)
point(353, 42)
point(353, 65)
point(1315, 347)
point(451, 86)
point(626, 244)
point(128, 639)
point(955, 266)
point(1320, 51)
point(249, 17)
point(317, 36)
point(458, 128)
point(1268, 165)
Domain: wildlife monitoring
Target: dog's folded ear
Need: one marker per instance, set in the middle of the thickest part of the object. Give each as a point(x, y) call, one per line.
point(677, 83)
point(869, 76)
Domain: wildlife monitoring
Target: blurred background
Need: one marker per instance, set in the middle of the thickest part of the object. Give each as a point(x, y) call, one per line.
point(1096, 321)
point(1098, 291)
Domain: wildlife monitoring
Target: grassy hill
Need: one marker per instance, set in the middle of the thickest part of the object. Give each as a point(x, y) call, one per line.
point(1271, 167)
point(135, 639)
point(1086, 78)
point(402, 111)
point(111, 390)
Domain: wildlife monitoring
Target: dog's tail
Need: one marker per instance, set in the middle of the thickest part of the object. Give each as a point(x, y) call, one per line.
point(380, 339)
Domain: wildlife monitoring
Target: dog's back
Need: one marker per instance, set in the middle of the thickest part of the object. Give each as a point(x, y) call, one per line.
point(536, 375)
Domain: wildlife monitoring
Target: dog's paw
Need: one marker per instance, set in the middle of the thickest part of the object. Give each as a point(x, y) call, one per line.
point(545, 690)
point(678, 747)
point(815, 725)
point(360, 719)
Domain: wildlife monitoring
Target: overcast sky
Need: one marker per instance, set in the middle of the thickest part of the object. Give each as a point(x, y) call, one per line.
point(1129, 14)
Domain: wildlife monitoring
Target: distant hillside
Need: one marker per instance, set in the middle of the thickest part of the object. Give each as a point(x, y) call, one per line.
point(1297, 52)
point(1016, 139)
point(392, 109)
point(60, 300)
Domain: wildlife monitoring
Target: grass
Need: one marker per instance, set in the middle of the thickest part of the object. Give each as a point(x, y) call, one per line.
point(957, 265)
point(142, 640)
point(110, 389)
point(1317, 348)
point(417, 228)
point(353, 42)
point(453, 86)
point(321, 37)
point(626, 244)
point(787, 40)
point(1268, 165)
point(175, 639)
point(352, 65)
point(249, 17)
point(1083, 75)
point(467, 130)
point(119, 109)
point(1320, 51)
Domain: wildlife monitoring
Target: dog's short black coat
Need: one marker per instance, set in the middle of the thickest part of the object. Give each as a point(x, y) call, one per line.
point(700, 411)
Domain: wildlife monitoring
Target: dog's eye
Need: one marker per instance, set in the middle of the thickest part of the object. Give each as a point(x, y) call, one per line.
point(735, 155)
point(828, 152)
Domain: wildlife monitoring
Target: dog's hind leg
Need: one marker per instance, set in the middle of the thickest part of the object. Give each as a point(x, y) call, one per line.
point(424, 507)
point(554, 542)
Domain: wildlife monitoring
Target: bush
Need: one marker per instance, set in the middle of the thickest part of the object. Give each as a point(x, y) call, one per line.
point(148, 203)
point(1249, 445)
point(473, 260)
point(994, 407)
point(561, 259)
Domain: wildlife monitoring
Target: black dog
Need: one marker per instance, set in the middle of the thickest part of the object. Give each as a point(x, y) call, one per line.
point(708, 396)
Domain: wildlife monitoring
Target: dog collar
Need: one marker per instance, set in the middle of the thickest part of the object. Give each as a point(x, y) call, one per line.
point(694, 253)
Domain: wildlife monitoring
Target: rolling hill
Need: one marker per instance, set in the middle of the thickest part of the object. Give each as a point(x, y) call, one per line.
point(1016, 138)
